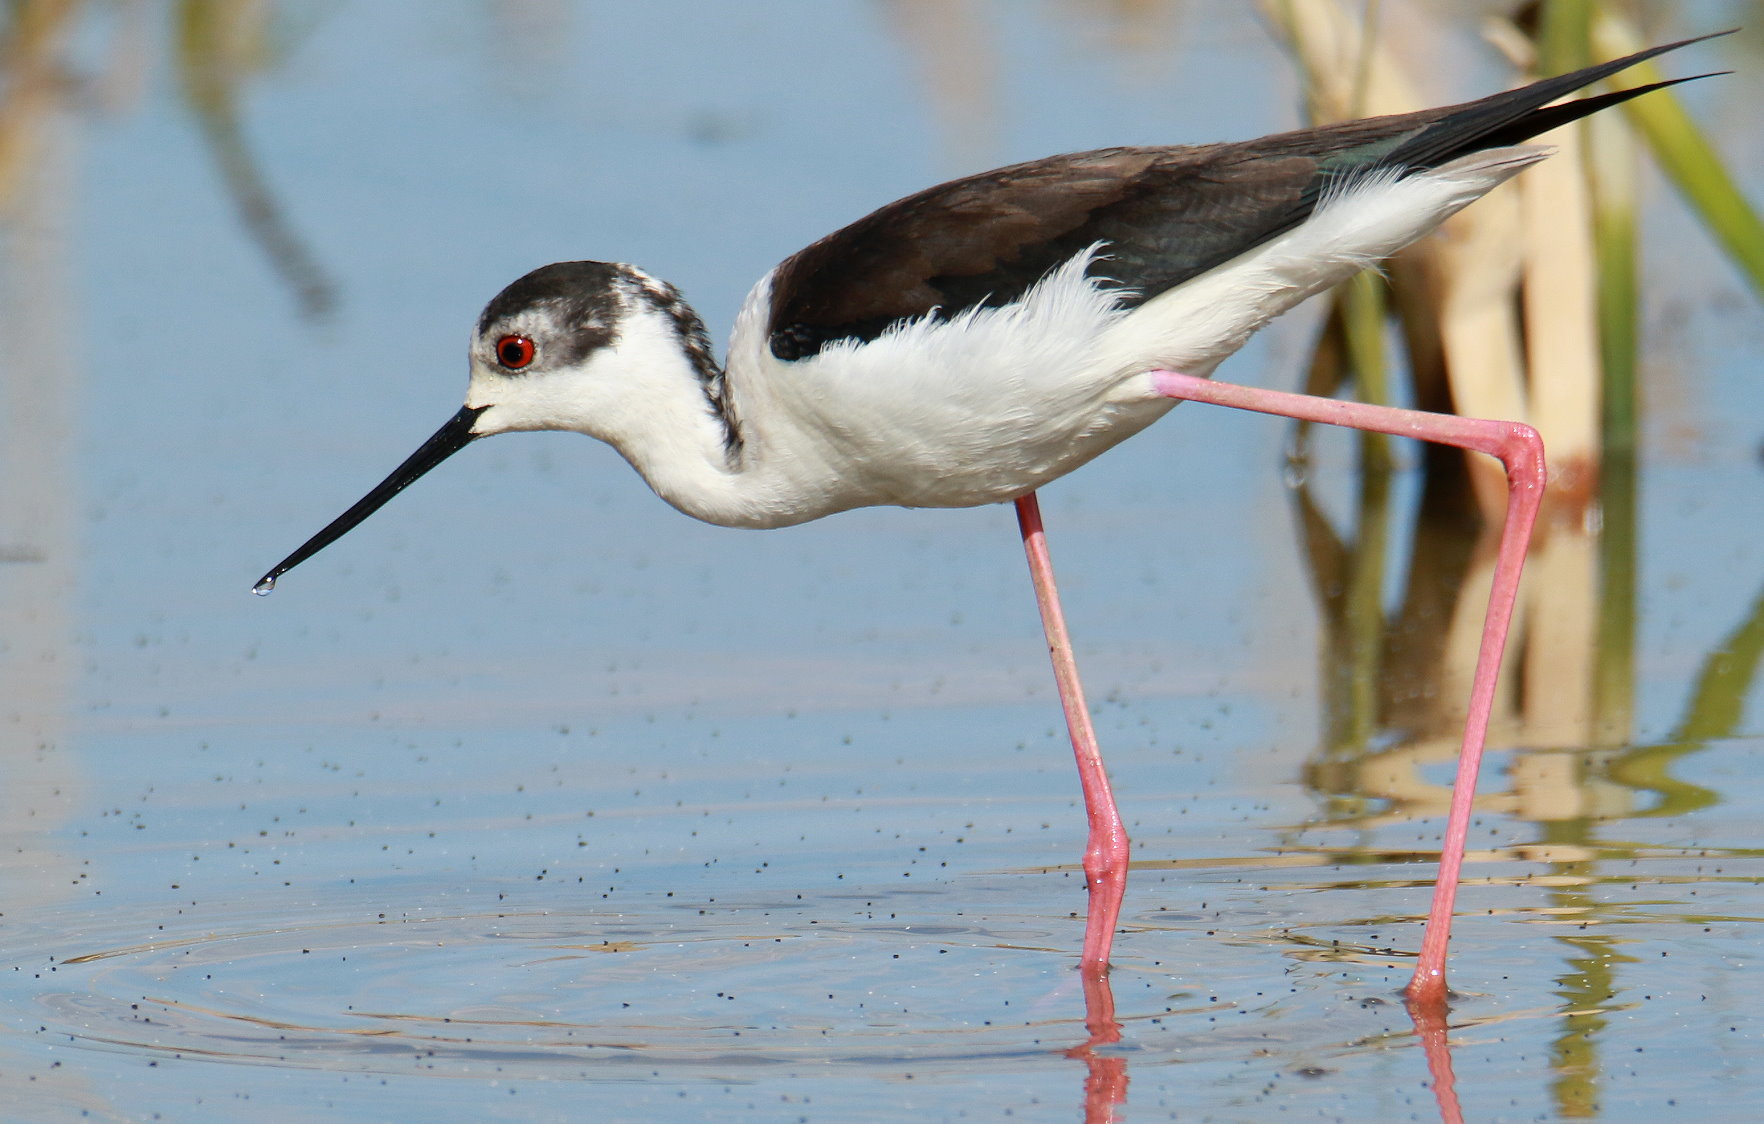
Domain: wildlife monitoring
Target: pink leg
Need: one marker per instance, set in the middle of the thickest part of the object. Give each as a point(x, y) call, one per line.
point(1105, 858)
point(1520, 451)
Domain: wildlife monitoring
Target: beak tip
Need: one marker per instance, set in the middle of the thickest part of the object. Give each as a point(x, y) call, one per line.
point(449, 439)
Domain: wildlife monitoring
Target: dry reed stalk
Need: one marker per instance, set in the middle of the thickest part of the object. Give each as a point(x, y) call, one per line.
point(1559, 289)
point(1455, 289)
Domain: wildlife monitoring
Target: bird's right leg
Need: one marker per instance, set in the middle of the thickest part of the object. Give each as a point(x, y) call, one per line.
point(1106, 855)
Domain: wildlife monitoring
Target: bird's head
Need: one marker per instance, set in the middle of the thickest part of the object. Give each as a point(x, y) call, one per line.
point(565, 347)
point(546, 352)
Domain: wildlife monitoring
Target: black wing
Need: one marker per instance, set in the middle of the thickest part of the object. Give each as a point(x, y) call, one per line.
point(1166, 214)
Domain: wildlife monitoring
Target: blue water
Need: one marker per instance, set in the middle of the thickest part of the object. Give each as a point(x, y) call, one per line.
point(533, 799)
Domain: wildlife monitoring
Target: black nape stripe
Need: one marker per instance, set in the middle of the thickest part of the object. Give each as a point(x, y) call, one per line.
point(695, 342)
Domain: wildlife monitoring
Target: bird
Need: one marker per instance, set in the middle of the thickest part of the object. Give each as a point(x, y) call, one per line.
point(972, 342)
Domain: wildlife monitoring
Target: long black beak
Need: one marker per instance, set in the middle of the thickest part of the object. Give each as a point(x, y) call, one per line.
point(448, 440)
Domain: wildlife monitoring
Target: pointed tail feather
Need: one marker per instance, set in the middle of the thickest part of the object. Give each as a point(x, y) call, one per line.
point(1515, 116)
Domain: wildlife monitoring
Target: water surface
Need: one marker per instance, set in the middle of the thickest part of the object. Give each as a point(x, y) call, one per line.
point(533, 799)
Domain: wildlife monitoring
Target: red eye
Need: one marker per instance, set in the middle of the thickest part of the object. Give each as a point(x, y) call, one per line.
point(514, 352)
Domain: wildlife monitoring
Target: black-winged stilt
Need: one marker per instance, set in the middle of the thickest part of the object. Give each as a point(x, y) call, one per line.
point(970, 343)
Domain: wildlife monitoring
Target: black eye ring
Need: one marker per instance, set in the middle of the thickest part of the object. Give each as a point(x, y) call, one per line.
point(515, 352)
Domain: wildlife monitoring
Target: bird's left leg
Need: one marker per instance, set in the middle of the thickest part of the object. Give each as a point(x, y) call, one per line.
point(1520, 451)
point(1105, 857)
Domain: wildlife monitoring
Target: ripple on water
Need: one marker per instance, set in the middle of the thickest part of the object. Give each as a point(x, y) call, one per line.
point(541, 991)
point(686, 988)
